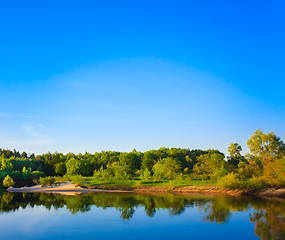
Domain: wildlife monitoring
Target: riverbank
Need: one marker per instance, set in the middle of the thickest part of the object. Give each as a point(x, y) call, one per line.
point(69, 188)
point(184, 190)
point(66, 188)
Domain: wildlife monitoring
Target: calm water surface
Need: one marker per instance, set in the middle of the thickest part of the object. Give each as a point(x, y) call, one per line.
point(126, 216)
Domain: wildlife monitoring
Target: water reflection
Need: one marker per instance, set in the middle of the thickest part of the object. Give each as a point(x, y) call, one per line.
point(267, 215)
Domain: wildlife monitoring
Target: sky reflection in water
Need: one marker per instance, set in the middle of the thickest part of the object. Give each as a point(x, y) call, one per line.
point(125, 216)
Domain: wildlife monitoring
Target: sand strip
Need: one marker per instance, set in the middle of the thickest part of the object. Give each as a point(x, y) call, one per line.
point(63, 188)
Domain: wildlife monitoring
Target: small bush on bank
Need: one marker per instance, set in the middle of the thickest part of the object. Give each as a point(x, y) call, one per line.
point(230, 181)
point(47, 181)
point(8, 182)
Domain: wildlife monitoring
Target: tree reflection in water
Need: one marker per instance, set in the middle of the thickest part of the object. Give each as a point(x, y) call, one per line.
point(268, 215)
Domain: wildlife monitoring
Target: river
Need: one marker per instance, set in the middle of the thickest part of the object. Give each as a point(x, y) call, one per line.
point(136, 216)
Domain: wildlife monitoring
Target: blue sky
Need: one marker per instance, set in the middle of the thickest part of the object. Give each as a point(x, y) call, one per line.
point(117, 75)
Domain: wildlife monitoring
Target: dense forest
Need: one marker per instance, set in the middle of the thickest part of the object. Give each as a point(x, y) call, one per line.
point(264, 166)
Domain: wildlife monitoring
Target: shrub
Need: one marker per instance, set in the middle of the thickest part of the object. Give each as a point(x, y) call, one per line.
point(37, 174)
point(219, 173)
point(166, 168)
point(145, 175)
point(230, 181)
point(8, 182)
point(255, 183)
point(47, 181)
point(102, 174)
point(78, 180)
point(209, 166)
point(274, 173)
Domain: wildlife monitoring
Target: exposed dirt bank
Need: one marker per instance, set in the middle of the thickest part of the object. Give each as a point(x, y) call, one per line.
point(189, 189)
point(210, 190)
point(278, 193)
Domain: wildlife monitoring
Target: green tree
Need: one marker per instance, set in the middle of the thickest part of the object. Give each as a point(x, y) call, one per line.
point(60, 168)
point(26, 173)
point(145, 175)
point(8, 182)
point(119, 171)
point(270, 151)
point(131, 160)
point(211, 165)
point(234, 157)
point(37, 174)
point(47, 181)
point(250, 168)
point(77, 167)
point(274, 173)
point(266, 146)
point(148, 160)
point(102, 174)
point(234, 150)
point(6, 164)
point(166, 168)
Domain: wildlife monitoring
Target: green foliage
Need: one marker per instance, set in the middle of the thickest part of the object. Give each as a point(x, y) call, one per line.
point(252, 167)
point(234, 157)
point(234, 150)
point(268, 151)
point(148, 160)
point(26, 173)
point(6, 164)
point(230, 181)
point(37, 174)
point(16, 174)
point(264, 166)
point(210, 166)
point(130, 162)
point(219, 173)
point(47, 181)
point(119, 171)
point(145, 175)
point(77, 167)
point(78, 180)
point(114, 171)
point(266, 146)
point(102, 174)
point(166, 168)
point(274, 173)
point(8, 182)
point(60, 168)
point(255, 183)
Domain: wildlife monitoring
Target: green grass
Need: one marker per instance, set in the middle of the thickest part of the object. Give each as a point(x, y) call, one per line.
point(90, 181)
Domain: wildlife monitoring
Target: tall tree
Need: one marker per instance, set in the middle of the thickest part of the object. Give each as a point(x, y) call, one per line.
point(266, 146)
point(235, 156)
point(211, 165)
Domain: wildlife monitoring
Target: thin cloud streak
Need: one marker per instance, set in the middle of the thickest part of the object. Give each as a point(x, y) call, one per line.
point(30, 137)
point(73, 119)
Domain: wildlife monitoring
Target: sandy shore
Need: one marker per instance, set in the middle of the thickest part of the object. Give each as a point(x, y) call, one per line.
point(63, 188)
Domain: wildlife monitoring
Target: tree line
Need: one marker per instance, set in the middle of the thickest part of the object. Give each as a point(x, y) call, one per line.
point(263, 166)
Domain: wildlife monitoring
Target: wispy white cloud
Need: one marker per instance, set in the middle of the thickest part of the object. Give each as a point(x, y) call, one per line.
point(95, 120)
point(29, 137)
point(127, 73)
point(34, 116)
point(37, 130)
